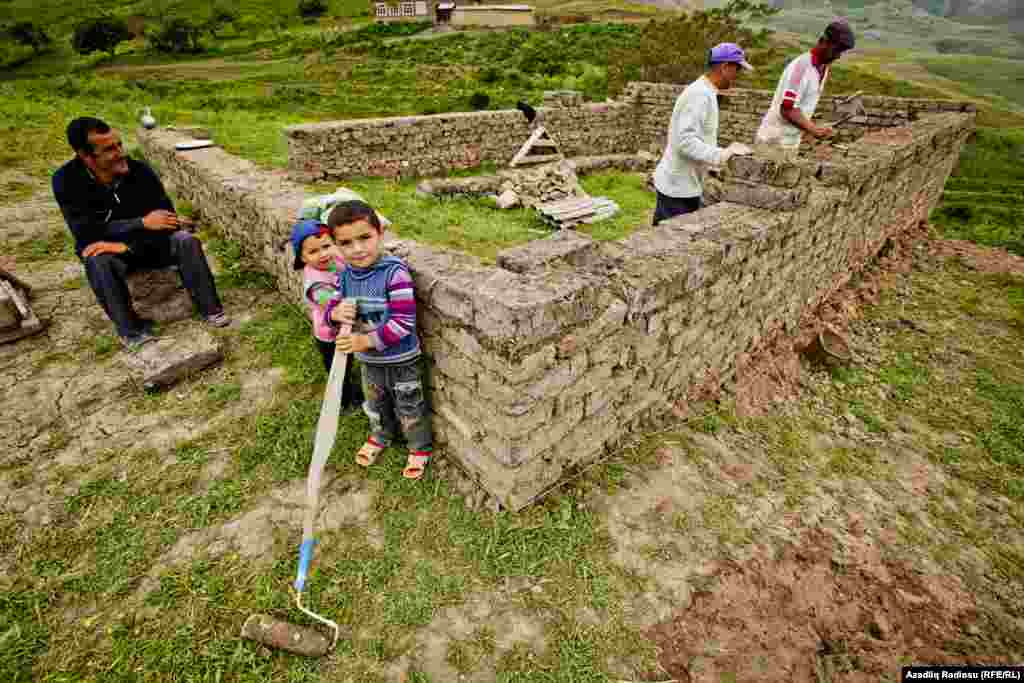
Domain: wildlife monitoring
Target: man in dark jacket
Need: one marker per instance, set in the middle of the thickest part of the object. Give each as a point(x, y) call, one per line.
point(122, 220)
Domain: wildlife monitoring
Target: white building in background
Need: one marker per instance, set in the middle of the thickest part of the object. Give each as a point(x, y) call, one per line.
point(414, 10)
point(454, 13)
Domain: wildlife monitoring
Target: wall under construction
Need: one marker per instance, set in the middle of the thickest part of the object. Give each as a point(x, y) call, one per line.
point(539, 370)
point(411, 146)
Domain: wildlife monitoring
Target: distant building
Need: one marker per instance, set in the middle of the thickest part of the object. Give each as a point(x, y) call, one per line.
point(447, 12)
point(492, 15)
point(415, 10)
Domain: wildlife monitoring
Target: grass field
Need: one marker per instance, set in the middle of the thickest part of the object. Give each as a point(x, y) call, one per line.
point(122, 583)
point(984, 199)
point(983, 76)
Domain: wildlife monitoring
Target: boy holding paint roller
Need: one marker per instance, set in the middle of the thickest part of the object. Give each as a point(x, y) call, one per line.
point(386, 343)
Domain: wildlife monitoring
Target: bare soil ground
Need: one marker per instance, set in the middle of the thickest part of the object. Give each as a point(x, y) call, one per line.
point(814, 525)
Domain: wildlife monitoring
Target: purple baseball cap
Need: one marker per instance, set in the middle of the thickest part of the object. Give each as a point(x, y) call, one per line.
point(729, 52)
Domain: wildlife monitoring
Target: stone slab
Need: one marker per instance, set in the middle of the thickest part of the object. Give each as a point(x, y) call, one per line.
point(757, 195)
point(167, 360)
point(158, 295)
point(566, 246)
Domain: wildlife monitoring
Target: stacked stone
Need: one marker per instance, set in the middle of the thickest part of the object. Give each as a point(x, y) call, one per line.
point(544, 183)
point(251, 206)
point(535, 372)
point(416, 146)
point(741, 111)
point(562, 98)
point(592, 128)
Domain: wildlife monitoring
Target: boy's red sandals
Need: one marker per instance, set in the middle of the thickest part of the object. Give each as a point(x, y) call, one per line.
point(369, 452)
point(416, 464)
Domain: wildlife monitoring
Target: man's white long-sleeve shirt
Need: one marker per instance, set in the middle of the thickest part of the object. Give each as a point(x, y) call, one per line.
point(692, 144)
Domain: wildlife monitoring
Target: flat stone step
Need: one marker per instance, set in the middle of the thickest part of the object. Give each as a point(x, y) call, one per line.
point(169, 359)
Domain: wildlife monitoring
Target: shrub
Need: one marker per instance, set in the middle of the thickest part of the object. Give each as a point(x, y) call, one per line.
point(99, 34)
point(311, 9)
point(177, 35)
point(675, 50)
point(540, 55)
point(489, 74)
point(29, 34)
point(221, 16)
point(479, 100)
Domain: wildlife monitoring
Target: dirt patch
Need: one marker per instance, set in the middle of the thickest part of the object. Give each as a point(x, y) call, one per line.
point(219, 69)
point(982, 259)
point(818, 611)
point(775, 372)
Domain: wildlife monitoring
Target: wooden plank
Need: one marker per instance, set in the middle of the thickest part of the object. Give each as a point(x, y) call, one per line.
point(11, 277)
point(569, 209)
point(525, 153)
point(28, 327)
point(567, 215)
point(559, 204)
point(20, 303)
point(567, 202)
point(539, 159)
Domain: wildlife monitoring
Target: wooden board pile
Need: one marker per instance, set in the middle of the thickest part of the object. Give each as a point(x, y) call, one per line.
point(16, 317)
point(566, 213)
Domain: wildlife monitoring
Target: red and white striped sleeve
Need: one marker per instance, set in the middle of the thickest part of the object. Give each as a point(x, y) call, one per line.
point(794, 83)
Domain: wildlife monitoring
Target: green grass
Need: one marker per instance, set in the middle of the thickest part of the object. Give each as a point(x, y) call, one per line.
point(58, 244)
point(475, 226)
point(422, 551)
point(630, 192)
point(983, 199)
point(66, 613)
point(983, 76)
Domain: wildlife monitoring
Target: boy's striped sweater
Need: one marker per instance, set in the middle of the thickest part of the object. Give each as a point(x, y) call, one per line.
point(386, 306)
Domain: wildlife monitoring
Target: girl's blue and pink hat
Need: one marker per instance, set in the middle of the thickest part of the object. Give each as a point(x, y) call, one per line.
point(302, 230)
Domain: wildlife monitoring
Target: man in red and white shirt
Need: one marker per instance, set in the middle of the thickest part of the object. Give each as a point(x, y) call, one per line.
point(799, 89)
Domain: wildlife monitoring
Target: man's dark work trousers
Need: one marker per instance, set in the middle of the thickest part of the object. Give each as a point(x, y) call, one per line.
point(107, 272)
point(670, 207)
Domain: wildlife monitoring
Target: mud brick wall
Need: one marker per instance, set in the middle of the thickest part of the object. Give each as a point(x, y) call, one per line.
point(253, 207)
point(741, 110)
point(415, 146)
point(536, 372)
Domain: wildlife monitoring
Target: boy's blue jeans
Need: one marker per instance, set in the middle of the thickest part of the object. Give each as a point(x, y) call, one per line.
point(396, 401)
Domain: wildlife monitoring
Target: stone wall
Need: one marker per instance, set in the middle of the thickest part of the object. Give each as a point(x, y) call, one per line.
point(638, 121)
point(536, 372)
point(741, 110)
point(413, 146)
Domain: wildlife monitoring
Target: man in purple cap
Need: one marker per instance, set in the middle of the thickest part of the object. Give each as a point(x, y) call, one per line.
point(799, 89)
point(692, 145)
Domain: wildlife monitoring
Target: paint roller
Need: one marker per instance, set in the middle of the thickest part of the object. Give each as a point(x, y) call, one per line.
point(274, 632)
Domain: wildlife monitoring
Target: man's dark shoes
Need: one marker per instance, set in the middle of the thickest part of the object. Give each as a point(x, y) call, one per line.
point(220, 319)
point(134, 342)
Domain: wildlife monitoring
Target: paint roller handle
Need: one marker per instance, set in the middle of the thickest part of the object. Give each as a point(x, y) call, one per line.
point(305, 557)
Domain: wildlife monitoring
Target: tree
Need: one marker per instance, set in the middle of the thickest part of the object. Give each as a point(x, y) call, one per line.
point(676, 50)
point(311, 9)
point(177, 35)
point(100, 34)
point(220, 16)
point(29, 34)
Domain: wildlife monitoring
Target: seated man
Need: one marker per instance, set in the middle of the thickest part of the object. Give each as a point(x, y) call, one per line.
point(122, 220)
